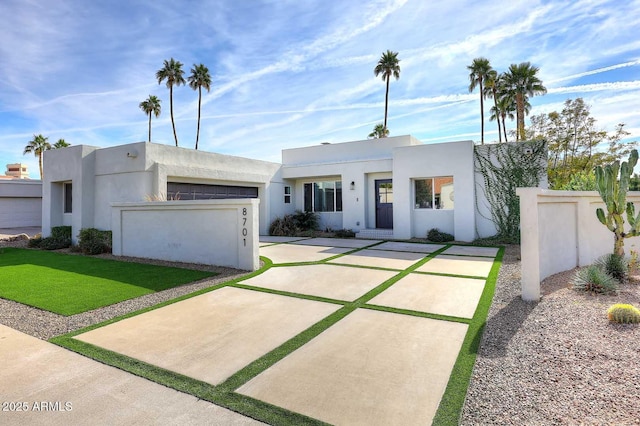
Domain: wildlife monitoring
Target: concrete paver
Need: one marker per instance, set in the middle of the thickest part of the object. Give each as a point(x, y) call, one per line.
point(380, 259)
point(332, 281)
point(459, 265)
point(453, 296)
point(472, 251)
point(337, 242)
point(277, 239)
point(211, 336)
point(411, 247)
point(81, 391)
point(369, 368)
point(286, 253)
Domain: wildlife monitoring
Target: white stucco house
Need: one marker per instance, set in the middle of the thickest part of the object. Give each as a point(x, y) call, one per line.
point(394, 187)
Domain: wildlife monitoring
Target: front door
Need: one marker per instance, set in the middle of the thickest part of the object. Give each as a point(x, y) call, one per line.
point(384, 204)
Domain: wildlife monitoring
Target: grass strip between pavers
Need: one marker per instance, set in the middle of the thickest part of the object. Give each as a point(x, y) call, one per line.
point(224, 394)
point(450, 408)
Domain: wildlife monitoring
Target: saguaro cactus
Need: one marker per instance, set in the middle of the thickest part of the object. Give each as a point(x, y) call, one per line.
point(614, 194)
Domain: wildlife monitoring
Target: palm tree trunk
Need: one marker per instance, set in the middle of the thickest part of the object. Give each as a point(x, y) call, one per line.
point(520, 117)
point(149, 126)
point(386, 103)
point(481, 114)
point(173, 123)
point(495, 104)
point(40, 164)
point(504, 128)
point(199, 103)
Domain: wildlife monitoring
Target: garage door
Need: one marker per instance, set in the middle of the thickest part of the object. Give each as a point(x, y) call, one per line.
point(198, 191)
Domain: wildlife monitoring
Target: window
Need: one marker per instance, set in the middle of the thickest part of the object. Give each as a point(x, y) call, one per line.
point(68, 197)
point(198, 191)
point(325, 196)
point(434, 193)
point(287, 195)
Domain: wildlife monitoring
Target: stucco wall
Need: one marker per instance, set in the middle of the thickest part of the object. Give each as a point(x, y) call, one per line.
point(427, 161)
point(20, 203)
point(212, 232)
point(559, 231)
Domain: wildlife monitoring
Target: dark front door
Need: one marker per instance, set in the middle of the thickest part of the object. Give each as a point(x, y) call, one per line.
point(384, 204)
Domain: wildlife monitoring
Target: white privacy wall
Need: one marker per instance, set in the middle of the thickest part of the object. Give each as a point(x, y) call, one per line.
point(211, 232)
point(559, 230)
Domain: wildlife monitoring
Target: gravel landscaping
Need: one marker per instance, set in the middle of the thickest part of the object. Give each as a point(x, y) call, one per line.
point(558, 361)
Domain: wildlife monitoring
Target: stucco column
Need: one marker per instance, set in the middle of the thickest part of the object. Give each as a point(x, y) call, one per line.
point(529, 243)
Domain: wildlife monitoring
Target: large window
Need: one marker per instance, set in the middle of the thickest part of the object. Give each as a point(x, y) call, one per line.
point(197, 191)
point(68, 197)
point(325, 196)
point(434, 193)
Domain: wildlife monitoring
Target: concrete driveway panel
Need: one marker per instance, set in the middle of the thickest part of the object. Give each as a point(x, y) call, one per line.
point(288, 253)
point(81, 391)
point(453, 296)
point(332, 281)
point(371, 368)
point(380, 259)
point(211, 336)
point(337, 242)
point(459, 265)
point(472, 251)
point(276, 239)
point(410, 247)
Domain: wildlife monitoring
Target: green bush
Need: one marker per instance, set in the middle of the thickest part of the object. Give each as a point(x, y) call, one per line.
point(439, 237)
point(94, 241)
point(35, 241)
point(60, 238)
point(623, 314)
point(345, 233)
point(283, 226)
point(615, 265)
point(594, 279)
point(306, 221)
point(61, 233)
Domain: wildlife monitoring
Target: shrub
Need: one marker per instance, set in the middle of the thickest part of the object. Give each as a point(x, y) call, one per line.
point(594, 279)
point(615, 265)
point(623, 314)
point(284, 226)
point(439, 237)
point(61, 233)
point(60, 238)
point(51, 243)
point(306, 221)
point(35, 241)
point(345, 233)
point(94, 241)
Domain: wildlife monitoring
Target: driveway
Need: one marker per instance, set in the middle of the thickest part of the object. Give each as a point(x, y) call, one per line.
point(342, 331)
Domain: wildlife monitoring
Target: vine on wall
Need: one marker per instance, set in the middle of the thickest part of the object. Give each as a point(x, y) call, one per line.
point(504, 168)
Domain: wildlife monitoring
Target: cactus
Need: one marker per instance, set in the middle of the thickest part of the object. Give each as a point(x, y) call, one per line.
point(623, 314)
point(614, 194)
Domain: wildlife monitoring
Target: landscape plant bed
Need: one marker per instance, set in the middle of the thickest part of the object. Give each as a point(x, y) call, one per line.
point(71, 284)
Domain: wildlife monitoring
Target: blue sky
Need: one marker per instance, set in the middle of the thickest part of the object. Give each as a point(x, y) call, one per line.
point(290, 73)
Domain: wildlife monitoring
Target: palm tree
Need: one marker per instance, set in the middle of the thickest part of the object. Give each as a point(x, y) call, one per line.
point(388, 66)
point(491, 85)
point(61, 144)
point(198, 79)
point(379, 131)
point(149, 106)
point(173, 73)
point(478, 71)
point(38, 146)
point(524, 82)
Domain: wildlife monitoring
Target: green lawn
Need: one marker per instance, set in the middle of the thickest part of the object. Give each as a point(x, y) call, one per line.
point(68, 284)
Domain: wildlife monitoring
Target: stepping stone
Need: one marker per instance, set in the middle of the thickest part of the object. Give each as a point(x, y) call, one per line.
point(337, 242)
point(289, 253)
point(459, 265)
point(410, 247)
point(453, 296)
point(331, 281)
point(380, 259)
point(369, 368)
point(472, 251)
point(211, 336)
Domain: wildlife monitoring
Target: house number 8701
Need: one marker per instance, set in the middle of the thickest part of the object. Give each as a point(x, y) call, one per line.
point(244, 226)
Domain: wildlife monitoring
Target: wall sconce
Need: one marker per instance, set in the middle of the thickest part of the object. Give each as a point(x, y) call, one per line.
point(352, 186)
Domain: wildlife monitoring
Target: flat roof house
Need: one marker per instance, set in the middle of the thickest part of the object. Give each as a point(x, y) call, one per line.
point(394, 187)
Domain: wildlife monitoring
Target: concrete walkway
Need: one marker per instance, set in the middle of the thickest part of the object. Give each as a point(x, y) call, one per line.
point(368, 367)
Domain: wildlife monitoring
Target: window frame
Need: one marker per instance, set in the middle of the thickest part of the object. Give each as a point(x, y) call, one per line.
point(436, 203)
point(67, 197)
point(287, 194)
point(311, 188)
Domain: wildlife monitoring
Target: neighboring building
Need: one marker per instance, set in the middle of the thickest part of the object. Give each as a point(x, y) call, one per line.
point(393, 187)
point(15, 171)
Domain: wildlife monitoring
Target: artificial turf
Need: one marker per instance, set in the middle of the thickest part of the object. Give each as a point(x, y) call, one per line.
point(70, 284)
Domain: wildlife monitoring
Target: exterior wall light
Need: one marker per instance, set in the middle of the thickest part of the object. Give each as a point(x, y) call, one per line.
point(352, 186)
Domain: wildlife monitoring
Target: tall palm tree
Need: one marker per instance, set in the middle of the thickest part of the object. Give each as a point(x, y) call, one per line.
point(388, 66)
point(379, 131)
point(491, 85)
point(198, 79)
point(38, 146)
point(149, 106)
point(478, 71)
point(522, 79)
point(173, 73)
point(61, 144)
